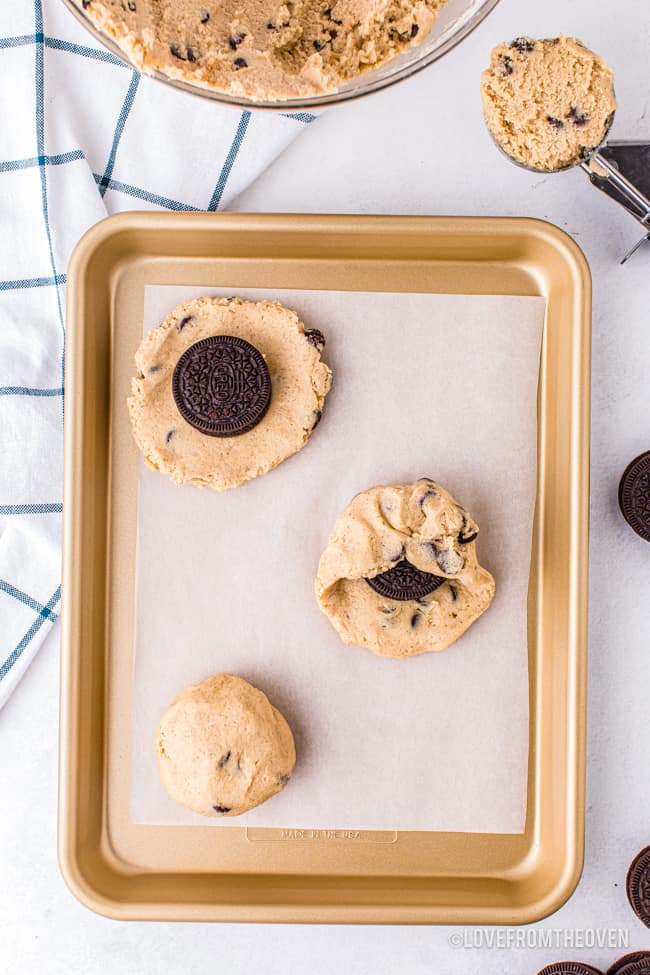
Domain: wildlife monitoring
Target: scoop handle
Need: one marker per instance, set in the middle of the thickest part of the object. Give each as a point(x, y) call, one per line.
point(605, 176)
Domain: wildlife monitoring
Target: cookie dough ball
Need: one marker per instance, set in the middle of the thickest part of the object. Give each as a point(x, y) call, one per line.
point(547, 103)
point(223, 748)
point(399, 574)
point(175, 426)
point(263, 51)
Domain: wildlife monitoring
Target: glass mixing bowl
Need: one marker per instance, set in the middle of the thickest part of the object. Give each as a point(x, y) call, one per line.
point(456, 20)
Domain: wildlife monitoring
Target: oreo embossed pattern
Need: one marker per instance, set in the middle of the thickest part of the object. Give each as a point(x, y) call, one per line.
point(638, 886)
point(634, 495)
point(404, 581)
point(222, 386)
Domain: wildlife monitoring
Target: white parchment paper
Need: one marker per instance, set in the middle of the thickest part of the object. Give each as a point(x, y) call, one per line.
point(424, 385)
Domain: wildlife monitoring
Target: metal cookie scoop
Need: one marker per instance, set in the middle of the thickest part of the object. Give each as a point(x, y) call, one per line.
point(622, 171)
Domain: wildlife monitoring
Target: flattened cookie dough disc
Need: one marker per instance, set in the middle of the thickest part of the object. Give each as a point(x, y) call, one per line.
point(299, 380)
point(223, 748)
point(547, 103)
point(393, 540)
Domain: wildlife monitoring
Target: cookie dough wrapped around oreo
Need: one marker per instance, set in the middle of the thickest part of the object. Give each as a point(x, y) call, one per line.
point(399, 574)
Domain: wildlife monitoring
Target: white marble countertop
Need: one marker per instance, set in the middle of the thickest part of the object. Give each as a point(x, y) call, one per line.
point(417, 148)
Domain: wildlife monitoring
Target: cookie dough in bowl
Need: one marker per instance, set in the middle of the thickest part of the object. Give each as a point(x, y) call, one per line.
point(399, 574)
point(263, 51)
point(548, 103)
point(223, 748)
point(226, 390)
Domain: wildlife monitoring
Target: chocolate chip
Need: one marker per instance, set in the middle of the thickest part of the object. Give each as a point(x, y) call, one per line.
point(318, 45)
point(317, 418)
point(222, 809)
point(272, 26)
point(556, 123)
point(283, 779)
point(169, 436)
point(154, 369)
point(189, 54)
point(506, 64)
point(575, 117)
point(85, 4)
point(463, 537)
point(466, 539)
point(450, 562)
point(131, 6)
point(239, 63)
point(223, 761)
point(205, 16)
point(404, 582)
point(414, 31)
point(313, 335)
point(523, 44)
point(387, 610)
point(415, 619)
point(454, 593)
point(236, 40)
point(333, 34)
point(222, 386)
point(327, 12)
point(183, 322)
point(430, 493)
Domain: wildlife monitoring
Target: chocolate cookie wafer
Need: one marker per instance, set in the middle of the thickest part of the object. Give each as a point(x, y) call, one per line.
point(638, 885)
point(625, 965)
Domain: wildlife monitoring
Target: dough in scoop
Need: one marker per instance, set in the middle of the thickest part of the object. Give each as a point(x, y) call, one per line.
point(547, 103)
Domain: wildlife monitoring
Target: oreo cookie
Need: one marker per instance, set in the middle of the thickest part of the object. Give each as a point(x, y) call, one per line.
point(638, 886)
point(404, 581)
point(628, 964)
point(569, 968)
point(222, 386)
point(634, 495)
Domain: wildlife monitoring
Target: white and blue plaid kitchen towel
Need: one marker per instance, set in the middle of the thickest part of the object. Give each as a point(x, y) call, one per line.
point(81, 135)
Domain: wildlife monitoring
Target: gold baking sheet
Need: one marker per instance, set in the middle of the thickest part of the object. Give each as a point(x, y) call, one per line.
point(196, 873)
